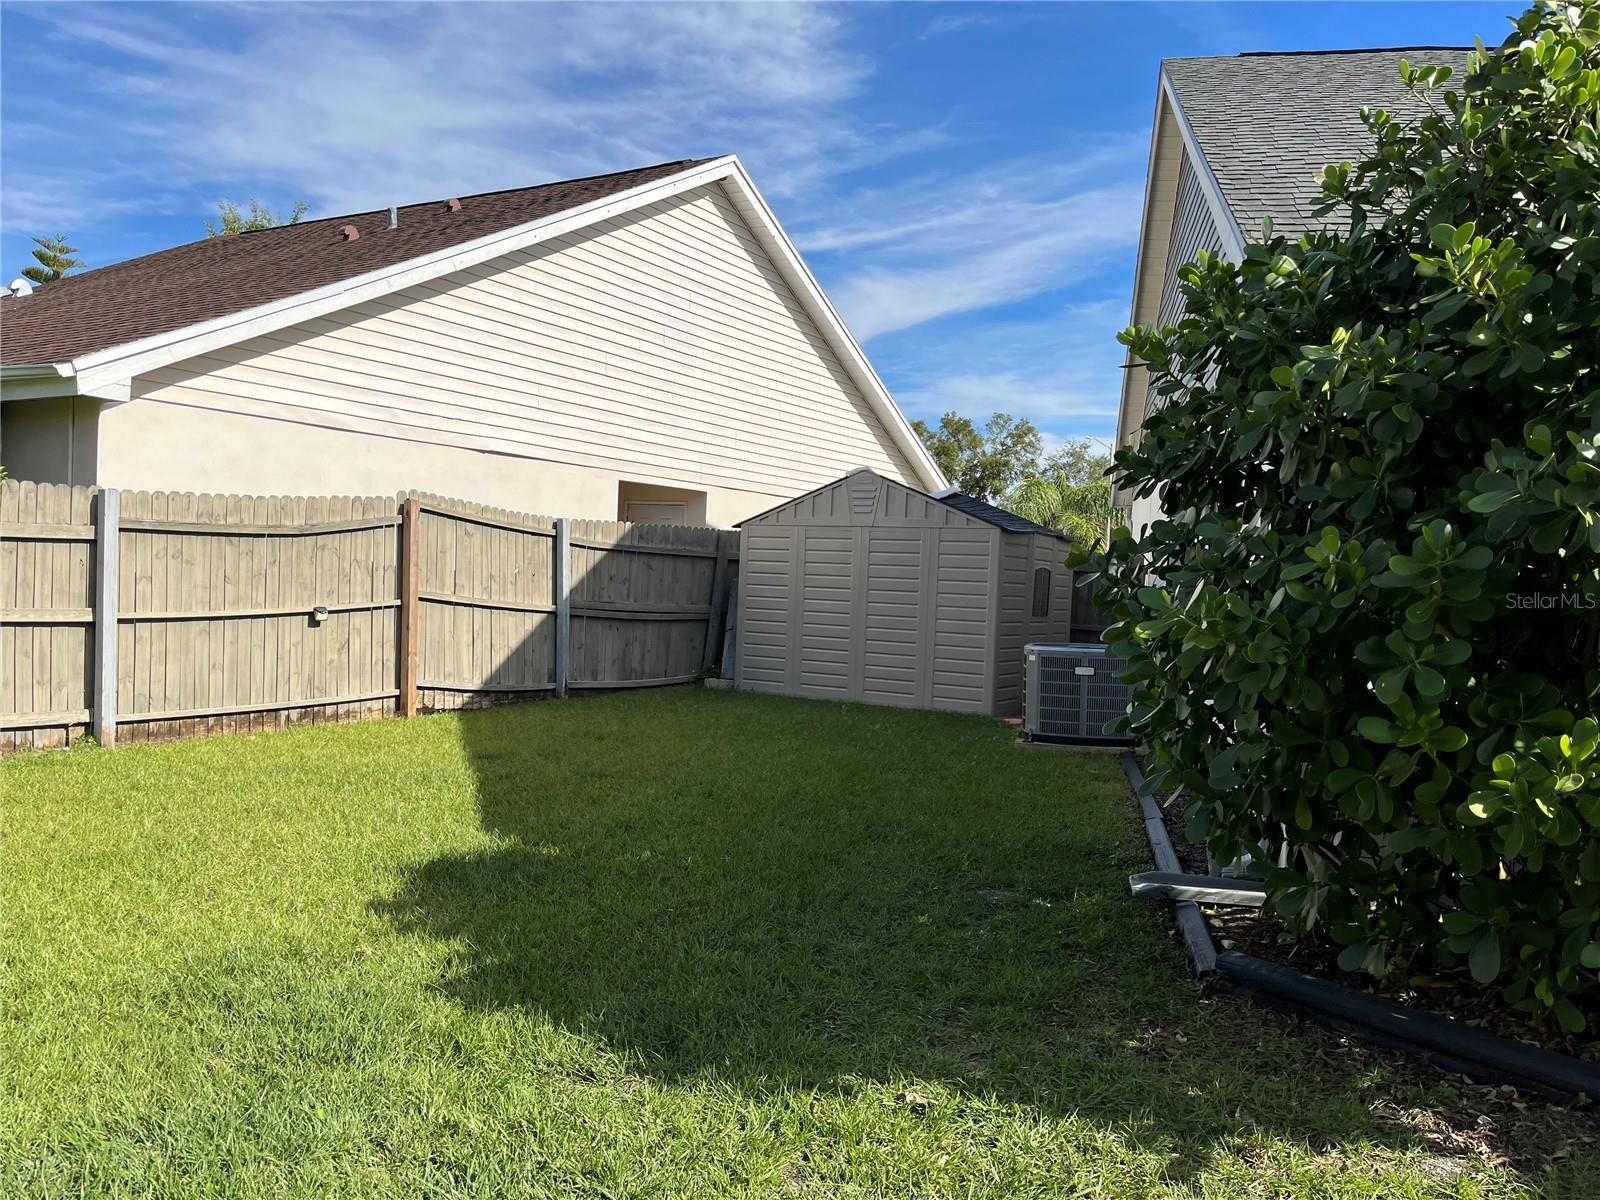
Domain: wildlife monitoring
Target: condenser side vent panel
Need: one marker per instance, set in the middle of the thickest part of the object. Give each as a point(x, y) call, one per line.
point(1073, 694)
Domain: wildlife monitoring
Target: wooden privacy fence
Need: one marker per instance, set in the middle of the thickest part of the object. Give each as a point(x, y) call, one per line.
point(143, 615)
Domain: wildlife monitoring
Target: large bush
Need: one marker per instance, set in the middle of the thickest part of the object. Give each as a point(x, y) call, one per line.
point(1365, 636)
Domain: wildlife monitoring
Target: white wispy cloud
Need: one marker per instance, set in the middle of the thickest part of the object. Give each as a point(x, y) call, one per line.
point(351, 108)
point(1062, 370)
point(355, 107)
point(929, 247)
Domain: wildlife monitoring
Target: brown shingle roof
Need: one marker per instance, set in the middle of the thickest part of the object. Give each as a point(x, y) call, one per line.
point(217, 277)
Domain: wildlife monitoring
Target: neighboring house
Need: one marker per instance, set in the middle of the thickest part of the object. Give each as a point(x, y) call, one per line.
point(646, 345)
point(1237, 139)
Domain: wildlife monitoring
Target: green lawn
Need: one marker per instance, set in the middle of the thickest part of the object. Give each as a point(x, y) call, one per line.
point(681, 943)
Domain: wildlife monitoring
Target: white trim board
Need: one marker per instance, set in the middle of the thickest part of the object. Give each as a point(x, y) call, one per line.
point(1134, 305)
point(108, 374)
point(1227, 227)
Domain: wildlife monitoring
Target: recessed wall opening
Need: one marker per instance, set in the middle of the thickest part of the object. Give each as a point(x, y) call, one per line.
point(650, 503)
point(50, 441)
point(1041, 592)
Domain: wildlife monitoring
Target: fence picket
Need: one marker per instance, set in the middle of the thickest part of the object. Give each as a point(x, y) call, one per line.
point(197, 616)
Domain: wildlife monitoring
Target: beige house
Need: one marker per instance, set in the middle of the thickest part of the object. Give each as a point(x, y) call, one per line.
point(1236, 139)
point(873, 591)
point(641, 346)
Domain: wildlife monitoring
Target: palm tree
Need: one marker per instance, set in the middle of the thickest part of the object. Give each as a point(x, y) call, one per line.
point(1055, 500)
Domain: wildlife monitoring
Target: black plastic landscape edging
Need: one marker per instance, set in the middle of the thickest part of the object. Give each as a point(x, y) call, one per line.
point(1443, 1041)
point(1202, 954)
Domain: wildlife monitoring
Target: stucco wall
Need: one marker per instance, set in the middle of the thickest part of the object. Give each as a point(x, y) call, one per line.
point(50, 441)
point(170, 447)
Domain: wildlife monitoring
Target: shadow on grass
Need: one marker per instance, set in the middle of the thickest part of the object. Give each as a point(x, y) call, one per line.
point(788, 895)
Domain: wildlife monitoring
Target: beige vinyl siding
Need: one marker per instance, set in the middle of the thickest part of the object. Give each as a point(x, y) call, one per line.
point(661, 346)
point(1192, 229)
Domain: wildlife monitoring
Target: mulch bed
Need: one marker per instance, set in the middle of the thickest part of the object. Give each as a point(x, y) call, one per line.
point(1265, 936)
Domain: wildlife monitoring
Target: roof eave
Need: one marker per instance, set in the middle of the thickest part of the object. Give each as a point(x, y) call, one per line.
point(133, 358)
point(36, 381)
point(110, 371)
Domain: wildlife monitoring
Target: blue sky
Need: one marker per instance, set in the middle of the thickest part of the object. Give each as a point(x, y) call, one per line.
point(965, 179)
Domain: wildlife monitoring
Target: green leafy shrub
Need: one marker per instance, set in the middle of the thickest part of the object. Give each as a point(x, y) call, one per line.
point(1372, 648)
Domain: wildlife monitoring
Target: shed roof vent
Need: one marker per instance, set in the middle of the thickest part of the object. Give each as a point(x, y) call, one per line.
point(350, 233)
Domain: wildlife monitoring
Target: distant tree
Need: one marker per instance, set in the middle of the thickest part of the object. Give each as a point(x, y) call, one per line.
point(53, 259)
point(231, 218)
point(1081, 461)
point(987, 463)
point(1058, 499)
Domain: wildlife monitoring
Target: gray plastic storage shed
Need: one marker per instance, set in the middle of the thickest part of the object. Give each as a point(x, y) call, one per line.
point(865, 589)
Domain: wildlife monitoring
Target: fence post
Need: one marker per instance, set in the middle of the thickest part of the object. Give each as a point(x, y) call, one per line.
point(108, 523)
point(561, 563)
point(719, 600)
point(410, 605)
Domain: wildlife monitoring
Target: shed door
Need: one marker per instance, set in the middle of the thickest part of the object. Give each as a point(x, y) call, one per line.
point(766, 584)
point(894, 646)
point(827, 612)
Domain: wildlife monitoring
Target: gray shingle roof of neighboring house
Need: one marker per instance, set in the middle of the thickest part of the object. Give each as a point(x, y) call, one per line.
point(1269, 123)
point(984, 511)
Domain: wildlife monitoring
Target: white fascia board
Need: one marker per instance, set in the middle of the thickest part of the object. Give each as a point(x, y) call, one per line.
point(1138, 262)
point(1227, 227)
point(1222, 216)
point(36, 381)
point(777, 244)
point(109, 373)
point(122, 363)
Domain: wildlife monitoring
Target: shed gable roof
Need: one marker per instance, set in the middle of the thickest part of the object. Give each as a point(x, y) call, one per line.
point(1268, 123)
point(859, 496)
point(995, 515)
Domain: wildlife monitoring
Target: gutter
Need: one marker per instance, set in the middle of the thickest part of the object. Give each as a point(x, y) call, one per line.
point(37, 381)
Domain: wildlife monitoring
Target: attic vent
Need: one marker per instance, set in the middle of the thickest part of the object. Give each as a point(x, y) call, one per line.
point(394, 217)
point(452, 205)
point(863, 490)
point(349, 233)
